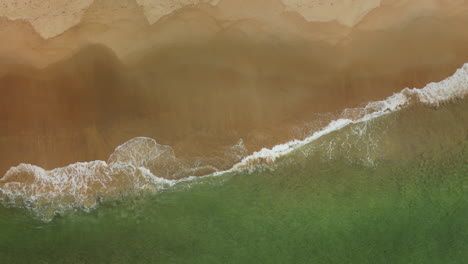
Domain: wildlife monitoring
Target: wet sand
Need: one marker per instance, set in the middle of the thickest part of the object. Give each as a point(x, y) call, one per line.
point(201, 79)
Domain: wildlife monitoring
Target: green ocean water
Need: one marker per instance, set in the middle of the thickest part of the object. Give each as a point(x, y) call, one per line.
point(392, 190)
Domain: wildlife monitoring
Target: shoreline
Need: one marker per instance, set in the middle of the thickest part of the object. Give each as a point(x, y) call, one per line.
point(126, 170)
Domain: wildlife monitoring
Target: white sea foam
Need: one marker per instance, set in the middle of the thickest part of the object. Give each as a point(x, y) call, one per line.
point(143, 164)
point(434, 94)
point(454, 87)
point(132, 168)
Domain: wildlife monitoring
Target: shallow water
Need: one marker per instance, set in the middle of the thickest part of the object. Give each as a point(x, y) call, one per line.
point(234, 133)
point(314, 205)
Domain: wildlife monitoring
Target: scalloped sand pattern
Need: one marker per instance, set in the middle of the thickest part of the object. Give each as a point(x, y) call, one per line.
point(51, 18)
point(48, 17)
point(154, 10)
point(346, 12)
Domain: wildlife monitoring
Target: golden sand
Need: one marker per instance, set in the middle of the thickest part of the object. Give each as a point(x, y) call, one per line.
point(78, 78)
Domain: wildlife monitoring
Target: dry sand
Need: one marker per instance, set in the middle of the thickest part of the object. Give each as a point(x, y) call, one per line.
point(78, 78)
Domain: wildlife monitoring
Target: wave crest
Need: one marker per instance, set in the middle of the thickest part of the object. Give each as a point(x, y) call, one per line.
point(143, 164)
point(131, 168)
point(434, 95)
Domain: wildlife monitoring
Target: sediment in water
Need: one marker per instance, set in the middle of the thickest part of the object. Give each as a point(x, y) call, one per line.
point(380, 132)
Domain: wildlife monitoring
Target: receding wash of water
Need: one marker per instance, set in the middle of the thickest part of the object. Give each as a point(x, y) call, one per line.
point(262, 131)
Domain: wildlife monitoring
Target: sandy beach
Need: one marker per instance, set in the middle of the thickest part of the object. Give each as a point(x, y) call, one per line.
point(233, 131)
point(80, 78)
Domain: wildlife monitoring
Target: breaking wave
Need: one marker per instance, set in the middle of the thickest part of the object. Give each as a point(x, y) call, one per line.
point(434, 94)
point(142, 164)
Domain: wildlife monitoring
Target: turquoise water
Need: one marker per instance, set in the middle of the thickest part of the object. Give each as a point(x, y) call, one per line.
point(395, 193)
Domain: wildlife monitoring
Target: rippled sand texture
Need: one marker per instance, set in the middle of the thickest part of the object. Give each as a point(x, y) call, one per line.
point(79, 78)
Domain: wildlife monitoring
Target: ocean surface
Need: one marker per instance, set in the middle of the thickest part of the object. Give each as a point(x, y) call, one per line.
point(383, 183)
